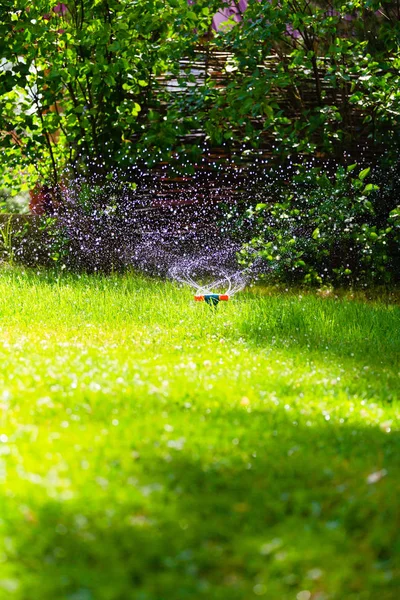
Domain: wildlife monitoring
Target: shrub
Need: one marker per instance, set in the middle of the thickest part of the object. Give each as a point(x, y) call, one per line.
point(326, 230)
point(80, 82)
point(307, 78)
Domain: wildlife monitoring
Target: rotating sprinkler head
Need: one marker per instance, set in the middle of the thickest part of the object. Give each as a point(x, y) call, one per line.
point(211, 299)
point(232, 283)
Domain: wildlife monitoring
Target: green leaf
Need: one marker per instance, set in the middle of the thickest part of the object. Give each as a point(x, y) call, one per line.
point(370, 187)
point(136, 109)
point(395, 213)
point(316, 234)
point(364, 173)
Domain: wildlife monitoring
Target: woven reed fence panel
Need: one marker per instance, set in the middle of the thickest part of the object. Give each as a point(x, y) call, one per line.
point(208, 68)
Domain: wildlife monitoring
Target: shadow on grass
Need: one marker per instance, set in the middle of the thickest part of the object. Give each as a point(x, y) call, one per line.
point(271, 513)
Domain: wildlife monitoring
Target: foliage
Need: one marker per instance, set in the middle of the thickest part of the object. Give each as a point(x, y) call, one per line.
point(309, 78)
point(7, 241)
point(13, 203)
point(327, 230)
point(82, 91)
point(79, 81)
point(153, 449)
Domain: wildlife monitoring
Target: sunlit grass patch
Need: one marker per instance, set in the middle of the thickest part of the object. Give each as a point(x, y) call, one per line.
point(154, 448)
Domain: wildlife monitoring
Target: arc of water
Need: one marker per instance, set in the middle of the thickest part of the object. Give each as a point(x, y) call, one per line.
point(232, 286)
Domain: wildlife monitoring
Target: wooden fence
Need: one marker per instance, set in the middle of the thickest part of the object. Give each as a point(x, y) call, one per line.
point(209, 66)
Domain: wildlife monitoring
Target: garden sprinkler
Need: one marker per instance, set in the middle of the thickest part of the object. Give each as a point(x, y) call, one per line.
point(234, 283)
point(211, 299)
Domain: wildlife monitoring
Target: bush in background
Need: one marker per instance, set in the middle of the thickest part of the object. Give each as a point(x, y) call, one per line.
point(83, 83)
point(80, 82)
point(327, 230)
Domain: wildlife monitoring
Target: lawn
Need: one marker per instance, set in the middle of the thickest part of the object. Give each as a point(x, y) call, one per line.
point(155, 449)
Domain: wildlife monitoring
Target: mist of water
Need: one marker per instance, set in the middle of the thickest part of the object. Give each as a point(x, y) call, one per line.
point(160, 222)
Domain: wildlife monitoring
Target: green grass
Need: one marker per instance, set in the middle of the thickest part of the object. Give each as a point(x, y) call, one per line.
point(153, 449)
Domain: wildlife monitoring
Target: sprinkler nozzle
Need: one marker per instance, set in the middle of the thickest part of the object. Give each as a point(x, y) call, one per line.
point(211, 299)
